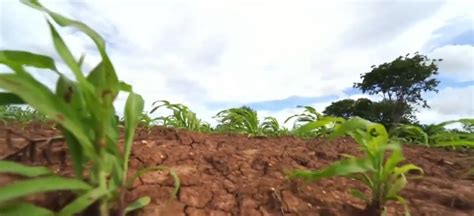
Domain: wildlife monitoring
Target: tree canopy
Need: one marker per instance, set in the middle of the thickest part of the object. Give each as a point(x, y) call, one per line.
point(401, 83)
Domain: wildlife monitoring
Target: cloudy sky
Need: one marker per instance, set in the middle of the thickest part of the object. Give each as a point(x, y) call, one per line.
point(271, 55)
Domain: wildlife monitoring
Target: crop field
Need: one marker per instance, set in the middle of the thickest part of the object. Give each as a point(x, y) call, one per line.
point(67, 151)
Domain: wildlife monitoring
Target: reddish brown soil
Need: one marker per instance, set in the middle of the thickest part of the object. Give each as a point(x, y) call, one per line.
point(236, 175)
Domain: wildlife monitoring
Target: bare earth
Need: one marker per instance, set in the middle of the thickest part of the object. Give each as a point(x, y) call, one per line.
point(236, 175)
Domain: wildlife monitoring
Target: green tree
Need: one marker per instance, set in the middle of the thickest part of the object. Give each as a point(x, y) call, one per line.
point(380, 112)
point(347, 108)
point(401, 83)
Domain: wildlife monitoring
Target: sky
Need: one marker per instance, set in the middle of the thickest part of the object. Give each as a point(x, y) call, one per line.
point(269, 55)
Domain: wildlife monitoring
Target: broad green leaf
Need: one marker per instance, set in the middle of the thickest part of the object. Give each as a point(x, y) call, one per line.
point(339, 168)
point(138, 204)
point(350, 126)
point(23, 58)
point(318, 124)
point(39, 185)
point(23, 170)
point(82, 202)
point(133, 110)
point(24, 209)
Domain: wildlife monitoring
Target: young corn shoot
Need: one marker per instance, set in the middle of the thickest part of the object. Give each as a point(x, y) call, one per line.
point(243, 120)
point(380, 173)
point(84, 110)
point(182, 117)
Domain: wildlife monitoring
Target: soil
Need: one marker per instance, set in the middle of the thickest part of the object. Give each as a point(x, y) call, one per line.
point(237, 175)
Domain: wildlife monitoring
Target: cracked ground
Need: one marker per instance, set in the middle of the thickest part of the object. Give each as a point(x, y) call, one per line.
point(236, 175)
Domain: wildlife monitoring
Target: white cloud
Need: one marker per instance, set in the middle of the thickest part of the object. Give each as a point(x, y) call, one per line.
point(458, 61)
point(454, 101)
point(240, 51)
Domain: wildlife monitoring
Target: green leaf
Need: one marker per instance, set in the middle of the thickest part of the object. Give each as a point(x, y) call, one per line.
point(22, 58)
point(40, 97)
point(339, 168)
point(132, 113)
point(395, 187)
point(76, 152)
point(67, 56)
point(81, 60)
point(20, 169)
point(359, 195)
point(39, 185)
point(138, 204)
point(99, 42)
point(23, 209)
point(7, 98)
point(406, 168)
point(82, 202)
point(351, 125)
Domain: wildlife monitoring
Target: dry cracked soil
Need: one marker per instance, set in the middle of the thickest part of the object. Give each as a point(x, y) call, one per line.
point(224, 174)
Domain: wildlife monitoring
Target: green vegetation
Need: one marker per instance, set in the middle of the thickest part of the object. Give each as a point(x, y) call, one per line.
point(436, 135)
point(401, 83)
point(182, 117)
point(25, 115)
point(376, 171)
point(243, 120)
point(375, 111)
point(84, 110)
point(82, 107)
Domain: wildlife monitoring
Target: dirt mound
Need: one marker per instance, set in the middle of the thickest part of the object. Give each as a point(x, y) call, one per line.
point(237, 175)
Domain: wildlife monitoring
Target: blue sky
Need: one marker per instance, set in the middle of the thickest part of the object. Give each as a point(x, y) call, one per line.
point(270, 55)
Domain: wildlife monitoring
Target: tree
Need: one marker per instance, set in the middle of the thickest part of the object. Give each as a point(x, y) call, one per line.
point(401, 83)
point(347, 108)
point(380, 112)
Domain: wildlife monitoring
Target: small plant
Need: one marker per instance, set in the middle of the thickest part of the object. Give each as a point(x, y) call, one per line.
point(409, 134)
point(84, 110)
point(380, 173)
point(9, 113)
point(182, 117)
point(242, 120)
point(271, 127)
point(308, 115)
point(436, 135)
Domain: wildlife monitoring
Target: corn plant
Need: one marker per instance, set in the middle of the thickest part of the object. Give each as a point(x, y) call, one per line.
point(440, 137)
point(308, 115)
point(409, 134)
point(319, 127)
point(182, 117)
point(271, 127)
point(26, 115)
point(380, 173)
point(436, 135)
point(84, 109)
point(242, 120)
